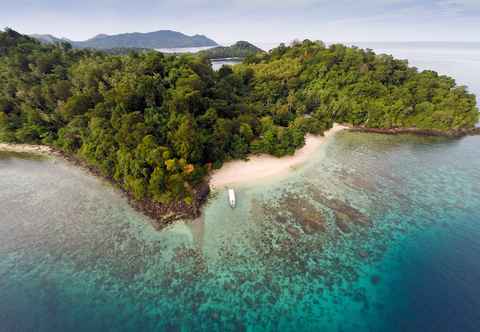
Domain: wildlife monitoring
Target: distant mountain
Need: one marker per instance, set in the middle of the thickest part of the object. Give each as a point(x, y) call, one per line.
point(240, 49)
point(49, 39)
point(156, 39)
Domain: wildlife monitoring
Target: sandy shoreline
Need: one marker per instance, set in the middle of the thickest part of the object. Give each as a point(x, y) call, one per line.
point(236, 172)
point(27, 148)
point(260, 167)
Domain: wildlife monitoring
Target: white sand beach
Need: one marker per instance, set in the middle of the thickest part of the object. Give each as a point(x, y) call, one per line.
point(259, 167)
point(26, 148)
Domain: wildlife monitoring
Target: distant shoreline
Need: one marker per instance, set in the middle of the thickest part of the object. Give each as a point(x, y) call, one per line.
point(419, 132)
point(226, 59)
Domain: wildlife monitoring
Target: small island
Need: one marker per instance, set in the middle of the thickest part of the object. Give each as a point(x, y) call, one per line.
point(157, 126)
point(239, 50)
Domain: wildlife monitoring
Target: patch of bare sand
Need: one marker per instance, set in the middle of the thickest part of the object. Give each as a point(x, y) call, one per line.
point(26, 148)
point(259, 167)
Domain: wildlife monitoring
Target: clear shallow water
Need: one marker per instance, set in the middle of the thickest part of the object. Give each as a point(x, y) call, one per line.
point(217, 64)
point(184, 49)
point(375, 233)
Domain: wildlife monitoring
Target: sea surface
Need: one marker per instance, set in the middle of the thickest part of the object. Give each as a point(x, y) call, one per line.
point(374, 233)
point(184, 49)
point(219, 63)
point(216, 64)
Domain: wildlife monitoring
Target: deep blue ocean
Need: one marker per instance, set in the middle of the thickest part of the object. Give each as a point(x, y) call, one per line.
point(374, 233)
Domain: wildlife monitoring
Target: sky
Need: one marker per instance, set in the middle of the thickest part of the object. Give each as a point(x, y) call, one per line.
point(273, 21)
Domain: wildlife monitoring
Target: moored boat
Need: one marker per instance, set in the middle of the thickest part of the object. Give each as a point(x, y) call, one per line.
point(231, 197)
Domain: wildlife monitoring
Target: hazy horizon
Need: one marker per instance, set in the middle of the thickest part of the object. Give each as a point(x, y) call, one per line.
point(262, 41)
point(264, 21)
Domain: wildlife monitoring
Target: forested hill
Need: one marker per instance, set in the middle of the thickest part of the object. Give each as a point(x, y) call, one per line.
point(49, 39)
point(151, 40)
point(240, 49)
point(359, 87)
point(156, 124)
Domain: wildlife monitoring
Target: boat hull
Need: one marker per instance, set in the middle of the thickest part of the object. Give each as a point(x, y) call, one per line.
point(231, 198)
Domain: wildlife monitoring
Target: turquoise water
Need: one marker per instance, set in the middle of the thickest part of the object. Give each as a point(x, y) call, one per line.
point(375, 233)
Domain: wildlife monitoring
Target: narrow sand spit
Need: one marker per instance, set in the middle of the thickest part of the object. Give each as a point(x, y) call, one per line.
point(26, 148)
point(260, 167)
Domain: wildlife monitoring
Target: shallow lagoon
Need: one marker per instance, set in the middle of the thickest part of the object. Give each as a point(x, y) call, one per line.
point(375, 233)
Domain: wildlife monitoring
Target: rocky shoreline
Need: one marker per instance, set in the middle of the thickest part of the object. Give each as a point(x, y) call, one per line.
point(161, 215)
point(165, 214)
point(420, 132)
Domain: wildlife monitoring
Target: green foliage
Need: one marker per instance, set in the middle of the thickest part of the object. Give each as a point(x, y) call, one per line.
point(355, 86)
point(240, 49)
point(156, 123)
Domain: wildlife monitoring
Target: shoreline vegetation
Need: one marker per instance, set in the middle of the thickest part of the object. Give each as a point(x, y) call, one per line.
point(49, 151)
point(257, 167)
point(235, 172)
point(239, 50)
point(157, 126)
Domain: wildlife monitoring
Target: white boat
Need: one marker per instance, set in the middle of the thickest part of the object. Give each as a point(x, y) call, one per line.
point(231, 197)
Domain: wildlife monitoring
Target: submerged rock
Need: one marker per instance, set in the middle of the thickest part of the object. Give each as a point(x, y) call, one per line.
point(341, 222)
point(345, 214)
point(295, 233)
point(363, 254)
point(308, 217)
point(375, 279)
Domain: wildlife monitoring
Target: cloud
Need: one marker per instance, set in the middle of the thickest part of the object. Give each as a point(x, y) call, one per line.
point(267, 20)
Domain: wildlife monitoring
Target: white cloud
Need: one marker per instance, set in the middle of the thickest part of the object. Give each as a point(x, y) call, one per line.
point(257, 20)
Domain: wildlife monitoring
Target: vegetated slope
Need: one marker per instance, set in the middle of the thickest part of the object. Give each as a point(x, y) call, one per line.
point(49, 39)
point(359, 87)
point(240, 49)
point(156, 124)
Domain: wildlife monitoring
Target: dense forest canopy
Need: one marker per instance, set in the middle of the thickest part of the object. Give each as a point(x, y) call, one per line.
point(157, 123)
point(356, 86)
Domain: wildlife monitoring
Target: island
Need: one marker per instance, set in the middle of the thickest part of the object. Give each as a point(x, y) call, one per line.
point(158, 125)
point(239, 50)
point(136, 40)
